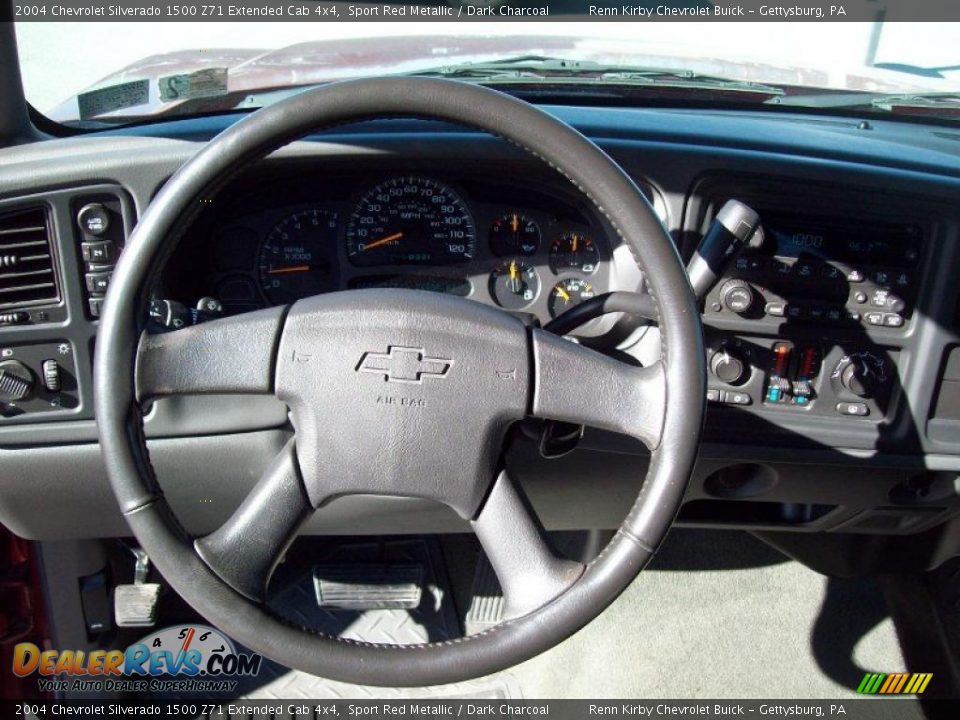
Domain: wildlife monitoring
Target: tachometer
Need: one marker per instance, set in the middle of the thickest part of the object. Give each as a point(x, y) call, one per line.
point(410, 221)
point(298, 257)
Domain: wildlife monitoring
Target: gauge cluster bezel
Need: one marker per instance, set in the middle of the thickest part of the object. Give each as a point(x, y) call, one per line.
point(259, 206)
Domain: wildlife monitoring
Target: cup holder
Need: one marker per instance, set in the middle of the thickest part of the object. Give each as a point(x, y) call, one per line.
point(740, 481)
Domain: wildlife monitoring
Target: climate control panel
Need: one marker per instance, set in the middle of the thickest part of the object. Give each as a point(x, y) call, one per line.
point(819, 377)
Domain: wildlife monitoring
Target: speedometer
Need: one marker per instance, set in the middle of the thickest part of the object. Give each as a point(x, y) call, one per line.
point(410, 221)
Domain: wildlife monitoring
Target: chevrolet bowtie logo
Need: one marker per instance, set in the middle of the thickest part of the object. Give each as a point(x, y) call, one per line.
point(404, 364)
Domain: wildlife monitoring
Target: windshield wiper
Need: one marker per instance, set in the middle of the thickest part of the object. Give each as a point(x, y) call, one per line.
point(540, 69)
point(946, 101)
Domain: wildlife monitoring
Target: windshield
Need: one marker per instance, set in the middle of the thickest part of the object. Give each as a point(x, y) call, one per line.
point(158, 70)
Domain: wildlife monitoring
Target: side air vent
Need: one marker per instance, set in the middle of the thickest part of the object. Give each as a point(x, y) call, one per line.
point(27, 275)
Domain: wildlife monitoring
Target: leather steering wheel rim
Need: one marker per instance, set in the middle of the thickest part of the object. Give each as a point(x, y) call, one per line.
point(682, 359)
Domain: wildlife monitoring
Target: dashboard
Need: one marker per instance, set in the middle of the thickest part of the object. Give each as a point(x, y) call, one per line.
point(833, 339)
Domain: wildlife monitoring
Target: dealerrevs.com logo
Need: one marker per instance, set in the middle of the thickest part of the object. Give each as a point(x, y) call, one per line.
point(183, 658)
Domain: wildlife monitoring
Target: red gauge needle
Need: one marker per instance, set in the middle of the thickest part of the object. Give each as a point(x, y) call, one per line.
point(289, 269)
point(382, 241)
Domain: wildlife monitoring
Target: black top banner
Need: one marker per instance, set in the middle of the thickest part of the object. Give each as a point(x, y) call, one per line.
point(452, 708)
point(482, 10)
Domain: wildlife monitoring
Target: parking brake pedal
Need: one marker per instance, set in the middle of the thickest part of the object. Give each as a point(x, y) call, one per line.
point(136, 605)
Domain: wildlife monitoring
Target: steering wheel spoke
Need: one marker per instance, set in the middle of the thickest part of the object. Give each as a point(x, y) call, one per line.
point(530, 573)
point(230, 355)
point(245, 550)
point(575, 384)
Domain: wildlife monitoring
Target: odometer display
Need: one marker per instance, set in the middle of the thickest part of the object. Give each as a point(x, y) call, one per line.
point(410, 221)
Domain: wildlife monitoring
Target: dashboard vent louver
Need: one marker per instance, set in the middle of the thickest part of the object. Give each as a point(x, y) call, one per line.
point(27, 275)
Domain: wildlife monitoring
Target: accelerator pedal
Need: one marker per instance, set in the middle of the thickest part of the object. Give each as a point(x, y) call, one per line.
point(486, 602)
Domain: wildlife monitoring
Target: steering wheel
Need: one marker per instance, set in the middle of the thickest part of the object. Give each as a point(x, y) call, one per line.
point(400, 393)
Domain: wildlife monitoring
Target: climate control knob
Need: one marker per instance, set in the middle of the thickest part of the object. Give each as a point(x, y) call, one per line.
point(859, 379)
point(16, 381)
point(861, 373)
point(728, 367)
point(737, 296)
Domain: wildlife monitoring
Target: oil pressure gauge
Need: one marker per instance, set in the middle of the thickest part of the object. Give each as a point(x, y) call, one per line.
point(514, 284)
point(514, 234)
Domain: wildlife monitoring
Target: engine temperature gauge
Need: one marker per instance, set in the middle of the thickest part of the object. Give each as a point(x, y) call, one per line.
point(514, 284)
point(574, 251)
point(567, 294)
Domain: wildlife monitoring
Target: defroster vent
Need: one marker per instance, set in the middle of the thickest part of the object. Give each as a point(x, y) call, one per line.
point(27, 274)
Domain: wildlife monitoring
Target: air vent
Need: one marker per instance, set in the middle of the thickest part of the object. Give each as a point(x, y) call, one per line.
point(27, 274)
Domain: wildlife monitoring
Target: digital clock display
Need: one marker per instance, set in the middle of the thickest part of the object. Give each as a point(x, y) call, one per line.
point(854, 243)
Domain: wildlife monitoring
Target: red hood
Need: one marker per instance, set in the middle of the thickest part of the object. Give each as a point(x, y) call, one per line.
point(250, 70)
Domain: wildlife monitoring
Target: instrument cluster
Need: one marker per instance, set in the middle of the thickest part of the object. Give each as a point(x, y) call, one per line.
point(519, 249)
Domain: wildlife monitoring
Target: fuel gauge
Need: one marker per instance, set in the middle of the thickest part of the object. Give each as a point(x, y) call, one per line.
point(567, 294)
point(514, 284)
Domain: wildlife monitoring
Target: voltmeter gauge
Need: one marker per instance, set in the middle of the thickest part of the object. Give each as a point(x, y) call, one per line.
point(567, 294)
point(514, 284)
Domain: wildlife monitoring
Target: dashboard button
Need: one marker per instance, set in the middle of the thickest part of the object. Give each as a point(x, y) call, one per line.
point(98, 282)
point(777, 309)
point(737, 296)
point(780, 267)
point(738, 398)
point(855, 409)
point(893, 320)
point(873, 318)
point(96, 306)
point(881, 277)
point(94, 219)
point(97, 253)
point(888, 301)
point(714, 395)
point(855, 276)
point(860, 297)
point(831, 272)
point(879, 298)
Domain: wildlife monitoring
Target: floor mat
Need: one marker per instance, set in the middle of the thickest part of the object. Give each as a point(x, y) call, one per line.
point(435, 619)
point(718, 614)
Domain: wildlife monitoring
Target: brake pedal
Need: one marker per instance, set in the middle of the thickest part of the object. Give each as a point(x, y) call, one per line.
point(368, 587)
point(136, 605)
point(486, 601)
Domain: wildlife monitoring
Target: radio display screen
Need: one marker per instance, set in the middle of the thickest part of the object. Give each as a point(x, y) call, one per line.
point(852, 243)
